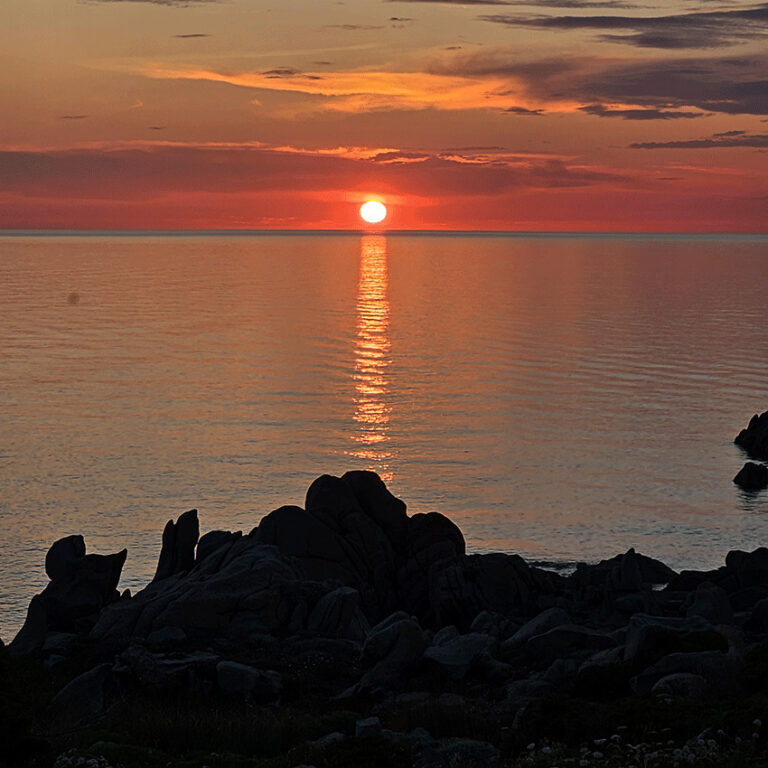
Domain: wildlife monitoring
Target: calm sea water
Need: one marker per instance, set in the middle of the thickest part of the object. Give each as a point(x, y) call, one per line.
point(560, 397)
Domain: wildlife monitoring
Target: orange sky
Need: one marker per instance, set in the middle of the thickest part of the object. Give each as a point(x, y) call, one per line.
point(503, 114)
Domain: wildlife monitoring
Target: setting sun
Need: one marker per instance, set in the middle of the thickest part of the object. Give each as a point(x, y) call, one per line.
point(373, 211)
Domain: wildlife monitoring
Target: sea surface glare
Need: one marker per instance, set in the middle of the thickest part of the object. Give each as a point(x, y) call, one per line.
point(562, 397)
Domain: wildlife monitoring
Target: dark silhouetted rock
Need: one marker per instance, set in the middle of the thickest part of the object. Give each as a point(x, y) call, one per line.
point(758, 619)
point(72, 602)
point(179, 541)
point(749, 569)
point(63, 556)
point(713, 666)
point(368, 726)
point(214, 542)
point(711, 603)
point(566, 641)
point(681, 685)
point(85, 699)
point(752, 477)
point(754, 439)
point(541, 623)
point(256, 686)
point(456, 657)
point(338, 614)
point(652, 636)
point(448, 753)
point(166, 671)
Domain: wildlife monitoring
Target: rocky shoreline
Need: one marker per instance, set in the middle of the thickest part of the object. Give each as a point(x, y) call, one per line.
point(347, 632)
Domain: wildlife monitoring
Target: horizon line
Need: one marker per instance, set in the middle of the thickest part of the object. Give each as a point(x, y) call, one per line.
point(242, 232)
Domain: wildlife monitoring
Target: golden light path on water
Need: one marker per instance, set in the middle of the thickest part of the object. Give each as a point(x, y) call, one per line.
point(372, 348)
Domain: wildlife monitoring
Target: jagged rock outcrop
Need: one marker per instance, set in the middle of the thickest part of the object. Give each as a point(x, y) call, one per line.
point(754, 439)
point(81, 585)
point(393, 601)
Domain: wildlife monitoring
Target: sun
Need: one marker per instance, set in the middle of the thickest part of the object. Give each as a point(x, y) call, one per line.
point(373, 211)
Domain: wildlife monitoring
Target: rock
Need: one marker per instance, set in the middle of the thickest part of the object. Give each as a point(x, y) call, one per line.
point(541, 623)
point(448, 753)
point(752, 477)
point(167, 671)
point(63, 556)
point(651, 636)
point(214, 541)
point(444, 635)
point(72, 602)
point(566, 641)
point(33, 632)
point(681, 685)
point(758, 619)
point(713, 666)
point(610, 657)
point(167, 636)
point(338, 614)
point(394, 647)
point(369, 726)
point(386, 510)
point(625, 572)
point(522, 691)
point(328, 739)
point(178, 551)
point(711, 603)
point(456, 657)
point(750, 569)
point(398, 637)
point(254, 685)
point(86, 698)
point(754, 439)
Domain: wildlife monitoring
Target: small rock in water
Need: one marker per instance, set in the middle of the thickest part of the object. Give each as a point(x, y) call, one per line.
point(754, 439)
point(752, 477)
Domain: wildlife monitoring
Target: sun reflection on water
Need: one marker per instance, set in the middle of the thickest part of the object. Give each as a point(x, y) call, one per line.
point(372, 347)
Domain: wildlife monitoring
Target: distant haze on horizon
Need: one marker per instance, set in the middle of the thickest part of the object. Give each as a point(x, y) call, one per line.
point(538, 115)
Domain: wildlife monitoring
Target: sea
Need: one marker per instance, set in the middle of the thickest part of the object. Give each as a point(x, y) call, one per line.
point(563, 397)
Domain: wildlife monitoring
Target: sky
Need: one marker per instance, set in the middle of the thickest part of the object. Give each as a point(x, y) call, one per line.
point(554, 115)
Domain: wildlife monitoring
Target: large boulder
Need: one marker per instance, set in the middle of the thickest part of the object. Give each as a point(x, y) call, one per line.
point(650, 637)
point(85, 699)
point(538, 625)
point(713, 666)
point(754, 439)
point(566, 641)
point(456, 657)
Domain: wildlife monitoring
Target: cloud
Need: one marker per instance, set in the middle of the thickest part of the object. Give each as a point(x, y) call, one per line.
point(176, 3)
point(637, 114)
point(288, 72)
point(727, 139)
point(523, 111)
point(455, 2)
point(73, 117)
point(354, 27)
point(363, 90)
point(711, 29)
point(130, 173)
point(728, 85)
point(191, 35)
